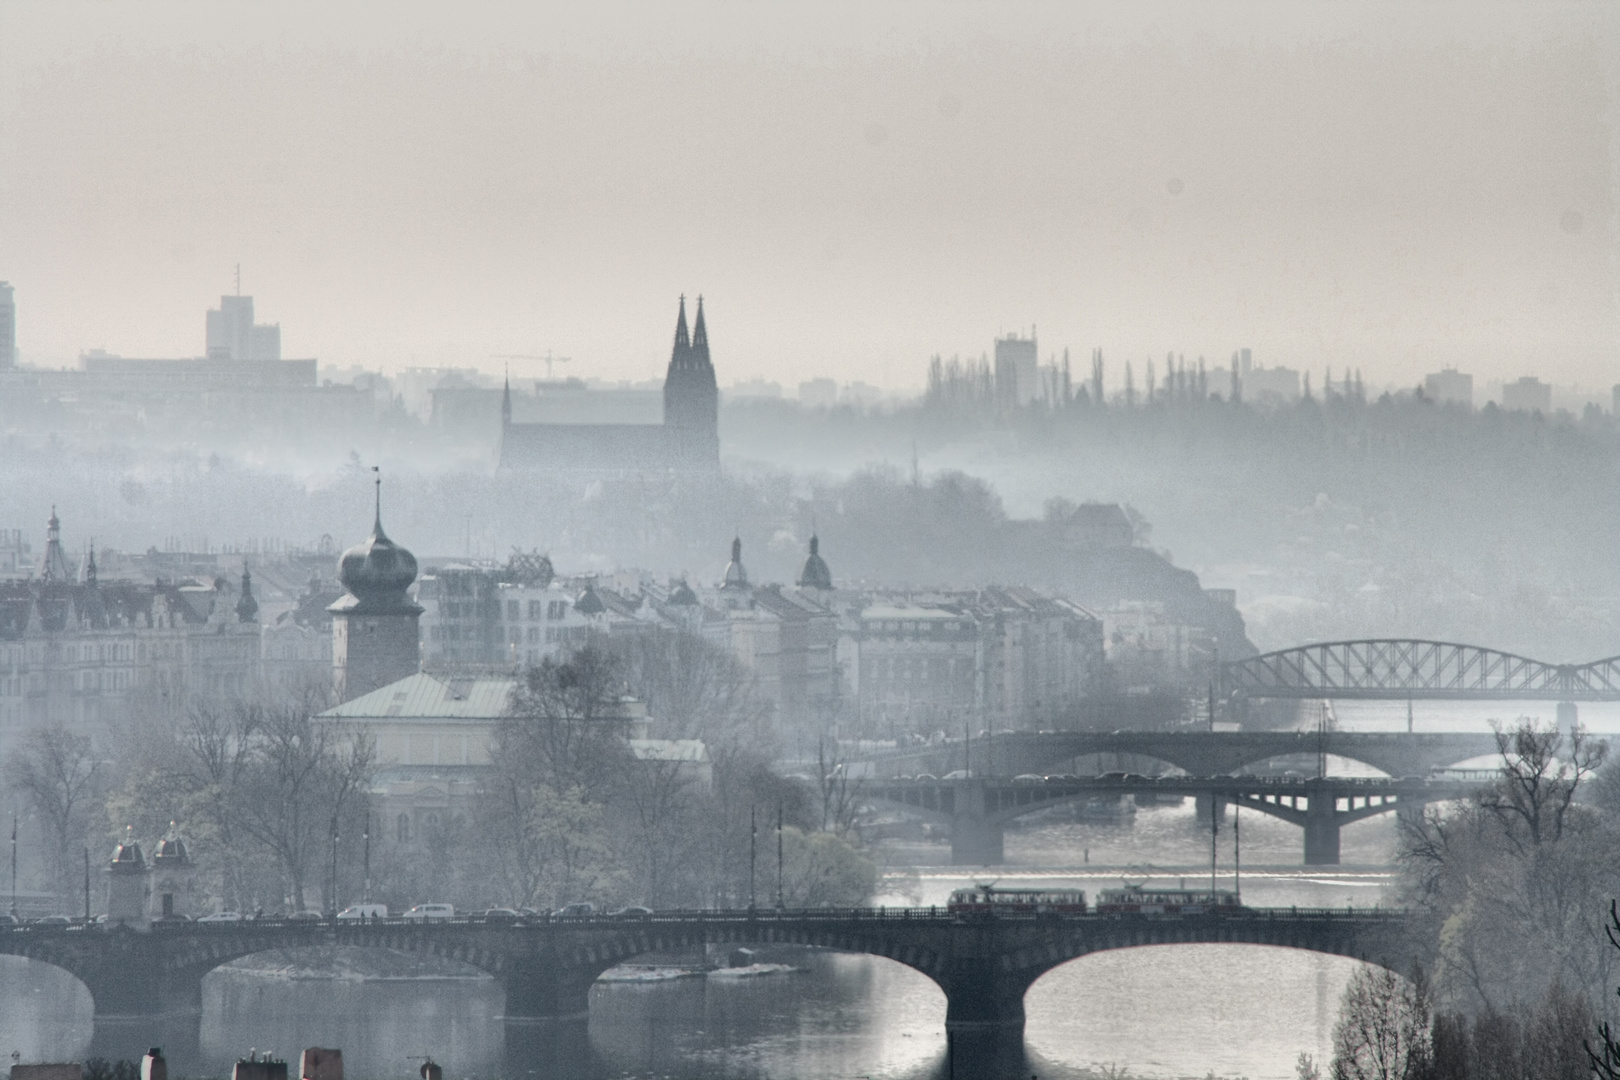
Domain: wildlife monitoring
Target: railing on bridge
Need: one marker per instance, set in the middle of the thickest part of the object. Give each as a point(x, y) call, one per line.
point(1406, 669)
point(715, 916)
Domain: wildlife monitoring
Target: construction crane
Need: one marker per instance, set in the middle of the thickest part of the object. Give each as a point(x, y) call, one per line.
point(548, 358)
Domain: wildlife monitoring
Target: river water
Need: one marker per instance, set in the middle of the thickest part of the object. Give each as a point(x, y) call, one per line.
point(1165, 1011)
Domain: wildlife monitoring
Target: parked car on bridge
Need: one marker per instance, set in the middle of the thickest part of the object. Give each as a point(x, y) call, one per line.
point(575, 910)
point(500, 914)
point(306, 916)
point(53, 920)
point(1029, 778)
point(221, 917)
point(356, 912)
point(959, 774)
point(430, 912)
point(634, 909)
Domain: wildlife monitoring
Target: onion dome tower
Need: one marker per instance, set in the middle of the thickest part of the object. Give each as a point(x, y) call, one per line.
point(127, 884)
point(692, 397)
point(375, 637)
point(815, 574)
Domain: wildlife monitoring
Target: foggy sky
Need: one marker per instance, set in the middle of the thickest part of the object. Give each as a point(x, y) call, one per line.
point(853, 187)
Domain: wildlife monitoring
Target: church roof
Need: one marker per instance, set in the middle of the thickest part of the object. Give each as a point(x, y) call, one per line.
point(432, 696)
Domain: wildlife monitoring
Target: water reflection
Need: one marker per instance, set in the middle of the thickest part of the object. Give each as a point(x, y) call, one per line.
point(384, 1027)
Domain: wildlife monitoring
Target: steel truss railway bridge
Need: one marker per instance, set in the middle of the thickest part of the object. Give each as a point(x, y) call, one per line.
point(978, 810)
point(142, 981)
point(1410, 669)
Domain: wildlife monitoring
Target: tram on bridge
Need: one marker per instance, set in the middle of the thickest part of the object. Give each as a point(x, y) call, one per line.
point(1139, 900)
point(983, 900)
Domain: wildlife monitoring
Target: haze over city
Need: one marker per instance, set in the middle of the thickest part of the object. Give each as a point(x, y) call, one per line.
point(860, 186)
point(737, 541)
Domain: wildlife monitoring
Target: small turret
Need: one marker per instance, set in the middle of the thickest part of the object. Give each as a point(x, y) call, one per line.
point(815, 574)
point(54, 566)
point(247, 608)
point(736, 576)
point(128, 884)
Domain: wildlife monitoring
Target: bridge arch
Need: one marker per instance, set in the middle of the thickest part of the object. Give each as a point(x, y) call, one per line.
point(59, 965)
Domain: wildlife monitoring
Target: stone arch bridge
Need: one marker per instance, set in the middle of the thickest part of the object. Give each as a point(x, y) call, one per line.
point(983, 965)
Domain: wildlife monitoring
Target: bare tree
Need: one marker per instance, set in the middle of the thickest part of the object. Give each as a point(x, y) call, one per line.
point(1383, 1028)
point(1539, 781)
point(840, 793)
point(300, 775)
point(54, 771)
point(566, 721)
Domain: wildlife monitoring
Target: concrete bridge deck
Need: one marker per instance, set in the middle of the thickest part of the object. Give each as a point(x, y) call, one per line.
point(978, 809)
point(1201, 753)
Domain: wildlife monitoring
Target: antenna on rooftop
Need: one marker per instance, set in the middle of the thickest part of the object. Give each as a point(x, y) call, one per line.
point(238, 279)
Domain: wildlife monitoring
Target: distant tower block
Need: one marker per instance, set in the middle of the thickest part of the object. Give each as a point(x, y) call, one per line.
point(8, 327)
point(127, 886)
point(375, 638)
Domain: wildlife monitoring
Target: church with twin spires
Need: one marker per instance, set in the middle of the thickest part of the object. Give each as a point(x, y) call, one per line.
point(688, 441)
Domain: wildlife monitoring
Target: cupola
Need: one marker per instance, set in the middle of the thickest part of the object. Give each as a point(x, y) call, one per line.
point(815, 574)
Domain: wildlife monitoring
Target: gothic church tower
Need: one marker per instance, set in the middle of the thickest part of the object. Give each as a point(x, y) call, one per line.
point(691, 397)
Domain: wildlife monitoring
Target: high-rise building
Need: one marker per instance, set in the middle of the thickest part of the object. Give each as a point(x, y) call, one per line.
point(1528, 394)
point(233, 335)
point(8, 327)
point(1449, 386)
point(1017, 370)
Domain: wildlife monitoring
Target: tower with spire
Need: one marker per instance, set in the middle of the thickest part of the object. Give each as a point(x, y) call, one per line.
point(691, 395)
point(375, 636)
point(54, 567)
point(687, 441)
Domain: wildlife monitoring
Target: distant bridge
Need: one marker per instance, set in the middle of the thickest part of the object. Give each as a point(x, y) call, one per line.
point(1402, 669)
point(1200, 753)
point(978, 810)
point(983, 965)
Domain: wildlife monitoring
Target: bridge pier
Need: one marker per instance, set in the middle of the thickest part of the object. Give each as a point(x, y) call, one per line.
point(542, 990)
point(976, 842)
point(1202, 811)
point(1321, 831)
point(981, 998)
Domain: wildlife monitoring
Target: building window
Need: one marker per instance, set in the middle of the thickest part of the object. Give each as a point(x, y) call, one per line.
point(556, 609)
point(514, 611)
point(404, 825)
